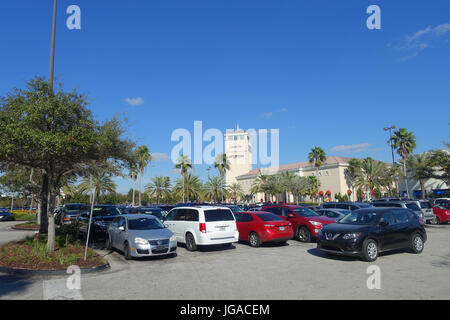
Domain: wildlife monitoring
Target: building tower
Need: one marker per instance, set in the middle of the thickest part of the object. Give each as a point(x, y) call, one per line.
point(239, 154)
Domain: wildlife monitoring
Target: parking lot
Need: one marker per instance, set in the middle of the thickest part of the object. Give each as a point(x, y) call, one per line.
point(292, 271)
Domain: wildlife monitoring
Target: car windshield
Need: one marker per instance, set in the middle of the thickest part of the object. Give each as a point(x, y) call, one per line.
point(444, 205)
point(360, 218)
point(145, 224)
point(218, 215)
point(413, 206)
point(305, 212)
point(425, 205)
point(75, 207)
point(235, 209)
point(106, 211)
point(269, 217)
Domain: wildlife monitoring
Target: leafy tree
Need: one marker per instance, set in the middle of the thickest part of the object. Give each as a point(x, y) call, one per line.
point(405, 143)
point(53, 131)
point(440, 160)
point(420, 168)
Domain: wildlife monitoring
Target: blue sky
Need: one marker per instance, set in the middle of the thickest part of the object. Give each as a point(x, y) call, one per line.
point(310, 68)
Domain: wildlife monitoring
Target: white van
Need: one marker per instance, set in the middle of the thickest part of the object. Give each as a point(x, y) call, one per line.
point(203, 225)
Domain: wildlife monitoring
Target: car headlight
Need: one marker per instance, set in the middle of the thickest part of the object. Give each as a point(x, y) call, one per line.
point(315, 223)
point(350, 236)
point(140, 241)
point(173, 238)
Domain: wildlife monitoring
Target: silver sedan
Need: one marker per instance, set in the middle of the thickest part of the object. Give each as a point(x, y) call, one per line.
point(140, 236)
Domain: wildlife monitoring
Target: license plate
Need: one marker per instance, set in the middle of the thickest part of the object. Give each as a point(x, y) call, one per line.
point(282, 228)
point(222, 229)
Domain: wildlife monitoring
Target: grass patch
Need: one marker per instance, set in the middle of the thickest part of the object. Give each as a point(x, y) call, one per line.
point(32, 254)
point(23, 216)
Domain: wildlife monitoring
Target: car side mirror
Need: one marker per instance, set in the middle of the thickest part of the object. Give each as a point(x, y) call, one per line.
point(291, 215)
point(383, 224)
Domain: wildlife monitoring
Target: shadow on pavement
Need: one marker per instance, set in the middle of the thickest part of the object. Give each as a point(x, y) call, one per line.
point(13, 285)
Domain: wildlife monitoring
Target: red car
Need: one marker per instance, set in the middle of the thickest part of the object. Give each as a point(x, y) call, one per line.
point(259, 227)
point(305, 222)
point(442, 212)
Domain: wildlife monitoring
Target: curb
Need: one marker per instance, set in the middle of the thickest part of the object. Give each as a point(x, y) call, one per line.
point(23, 229)
point(26, 272)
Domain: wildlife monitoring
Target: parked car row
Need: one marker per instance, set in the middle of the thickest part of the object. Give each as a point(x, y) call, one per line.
point(355, 229)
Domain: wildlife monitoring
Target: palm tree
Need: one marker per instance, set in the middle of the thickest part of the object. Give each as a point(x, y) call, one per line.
point(183, 164)
point(133, 174)
point(405, 143)
point(354, 165)
point(317, 157)
point(222, 165)
point(258, 185)
point(99, 181)
point(421, 169)
point(370, 174)
point(286, 182)
point(235, 191)
point(214, 188)
point(190, 186)
point(143, 158)
point(159, 187)
point(299, 186)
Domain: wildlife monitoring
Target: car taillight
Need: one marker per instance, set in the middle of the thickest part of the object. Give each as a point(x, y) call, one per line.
point(203, 227)
point(269, 225)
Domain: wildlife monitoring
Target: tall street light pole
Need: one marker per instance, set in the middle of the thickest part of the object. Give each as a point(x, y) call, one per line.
point(52, 54)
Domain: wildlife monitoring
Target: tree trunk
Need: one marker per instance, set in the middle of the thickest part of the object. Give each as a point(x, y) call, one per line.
point(51, 223)
point(422, 186)
point(43, 205)
point(31, 204)
point(406, 178)
point(134, 191)
point(140, 196)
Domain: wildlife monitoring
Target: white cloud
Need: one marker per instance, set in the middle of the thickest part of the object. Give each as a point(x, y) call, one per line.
point(267, 115)
point(354, 148)
point(160, 157)
point(134, 101)
point(422, 39)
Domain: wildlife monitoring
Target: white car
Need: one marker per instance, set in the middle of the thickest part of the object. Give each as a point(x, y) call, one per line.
point(202, 226)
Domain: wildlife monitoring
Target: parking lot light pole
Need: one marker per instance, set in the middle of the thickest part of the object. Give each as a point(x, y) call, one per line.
point(52, 52)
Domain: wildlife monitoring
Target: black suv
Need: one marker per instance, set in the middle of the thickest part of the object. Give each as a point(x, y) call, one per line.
point(345, 205)
point(367, 232)
point(102, 217)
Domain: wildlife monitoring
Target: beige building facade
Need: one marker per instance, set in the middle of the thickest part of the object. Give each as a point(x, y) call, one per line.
point(239, 155)
point(332, 176)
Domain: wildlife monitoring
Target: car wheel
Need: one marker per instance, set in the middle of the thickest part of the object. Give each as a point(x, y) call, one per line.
point(370, 250)
point(108, 243)
point(254, 240)
point(190, 242)
point(417, 243)
point(303, 234)
point(126, 251)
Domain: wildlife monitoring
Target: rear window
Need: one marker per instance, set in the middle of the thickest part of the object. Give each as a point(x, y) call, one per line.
point(425, 205)
point(413, 206)
point(269, 217)
point(218, 215)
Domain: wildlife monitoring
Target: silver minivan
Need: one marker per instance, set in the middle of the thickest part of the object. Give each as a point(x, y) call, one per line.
point(427, 210)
